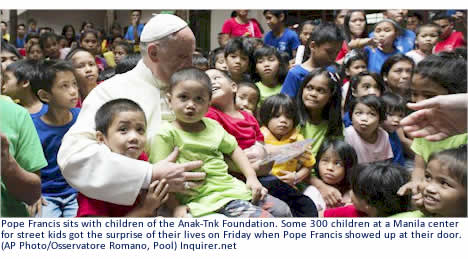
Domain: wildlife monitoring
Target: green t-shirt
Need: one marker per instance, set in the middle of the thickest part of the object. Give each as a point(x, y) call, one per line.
point(266, 91)
point(25, 147)
point(316, 132)
point(208, 145)
point(425, 148)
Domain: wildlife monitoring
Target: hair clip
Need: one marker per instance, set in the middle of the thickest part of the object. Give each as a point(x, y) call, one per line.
point(349, 55)
point(334, 77)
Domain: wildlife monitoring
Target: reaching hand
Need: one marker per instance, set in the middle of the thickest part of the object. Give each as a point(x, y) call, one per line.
point(288, 177)
point(158, 193)
point(437, 118)
point(178, 176)
point(258, 191)
point(331, 196)
point(413, 188)
point(36, 207)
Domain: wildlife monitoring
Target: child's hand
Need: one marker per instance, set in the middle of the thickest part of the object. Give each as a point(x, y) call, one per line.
point(413, 188)
point(288, 177)
point(258, 191)
point(157, 194)
point(371, 42)
point(331, 195)
point(181, 211)
point(306, 159)
point(36, 207)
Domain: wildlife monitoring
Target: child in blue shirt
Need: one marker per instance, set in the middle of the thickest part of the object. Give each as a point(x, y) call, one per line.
point(280, 37)
point(17, 83)
point(324, 44)
point(59, 89)
point(395, 106)
point(386, 31)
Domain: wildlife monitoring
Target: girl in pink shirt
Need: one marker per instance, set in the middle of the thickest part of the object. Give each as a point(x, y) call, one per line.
point(366, 136)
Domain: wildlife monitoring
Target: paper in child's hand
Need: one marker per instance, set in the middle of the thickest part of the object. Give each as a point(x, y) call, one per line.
point(288, 152)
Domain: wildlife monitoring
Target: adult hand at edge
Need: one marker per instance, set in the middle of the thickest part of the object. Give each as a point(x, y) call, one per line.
point(437, 118)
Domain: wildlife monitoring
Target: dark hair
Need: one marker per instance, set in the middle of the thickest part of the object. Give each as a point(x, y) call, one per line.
point(388, 64)
point(345, 152)
point(246, 83)
point(277, 13)
point(84, 23)
point(60, 37)
point(5, 46)
point(350, 57)
point(126, 46)
point(306, 22)
point(75, 50)
point(200, 51)
point(45, 36)
point(29, 47)
point(199, 60)
point(46, 29)
point(245, 47)
point(446, 69)
point(285, 57)
point(267, 51)
point(106, 74)
point(241, 44)
point(191, 73)
point(416, 14)
point(371, 101)
point(32, 35)
point(25, 70)
point(213, 54)
point(442, 15)
point(455, 161)
point(428, 25)
point(378, 183)
point(325, 33)
point(21, 24)
point(64, 33)
point(89, 31)
point(354, 82)
point(127, 63)
point(332, 110)
point(398, 29)
point(394, 102)
point(272, 106)
point(347, 31)
point(49, 70)
point(337, 12)
point(111, 40)
point(107, 112)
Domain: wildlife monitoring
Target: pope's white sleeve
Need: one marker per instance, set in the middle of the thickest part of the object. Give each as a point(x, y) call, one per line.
point(92, 168)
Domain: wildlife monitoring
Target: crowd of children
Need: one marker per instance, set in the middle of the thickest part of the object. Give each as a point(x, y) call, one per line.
point(347, 93)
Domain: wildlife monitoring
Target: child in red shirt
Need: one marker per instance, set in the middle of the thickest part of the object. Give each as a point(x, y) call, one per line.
point(121, 125)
